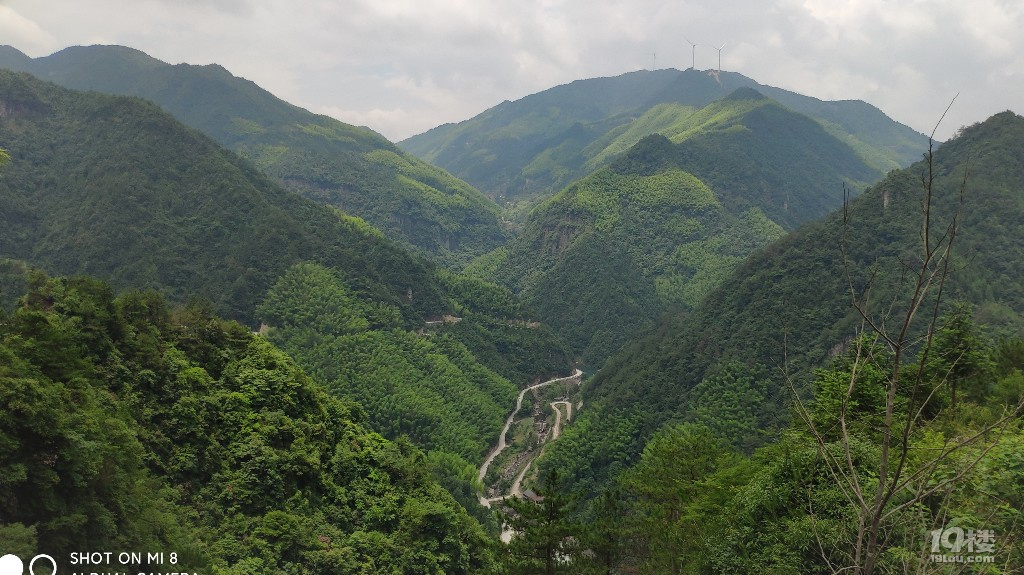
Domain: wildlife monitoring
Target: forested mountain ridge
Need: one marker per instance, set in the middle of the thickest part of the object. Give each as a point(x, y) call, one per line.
point(115, 187)
point(133, 421)
point(328, 161)
point(535, 146)
point(658, 227)
point(131, 424)
point(790, 304)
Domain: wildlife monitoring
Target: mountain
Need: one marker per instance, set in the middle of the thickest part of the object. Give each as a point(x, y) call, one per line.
point(663, 223)
point(789, 305)
point(127, 423)
point(116, 188)
point(535, 146)
point(351, 168)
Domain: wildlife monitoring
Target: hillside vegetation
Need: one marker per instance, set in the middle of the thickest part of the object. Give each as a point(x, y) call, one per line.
point(790, 372)
point(114, 187)
point(351, 168)
point(428, 386)
point(694, 503)
point(600, 260)
point(130, 424)
point(659, 227)
point(535, 146)
point(790, 304)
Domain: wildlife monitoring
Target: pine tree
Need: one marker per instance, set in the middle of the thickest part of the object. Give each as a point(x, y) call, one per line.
point(543, 533)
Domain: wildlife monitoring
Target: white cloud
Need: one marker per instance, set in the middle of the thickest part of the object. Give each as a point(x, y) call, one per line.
point(24, 34)
point(403, 66)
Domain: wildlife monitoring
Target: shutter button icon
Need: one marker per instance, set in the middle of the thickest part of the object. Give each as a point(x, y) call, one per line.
point(53, 565)
point(12, 565)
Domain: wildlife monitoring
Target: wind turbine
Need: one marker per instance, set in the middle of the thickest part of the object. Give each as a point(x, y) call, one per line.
point(720, 57)
point(693, 53)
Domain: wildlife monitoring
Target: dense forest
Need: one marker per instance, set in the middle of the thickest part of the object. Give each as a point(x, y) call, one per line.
point(291, 354)
point(427, 387)
point(664, 222)
point(116, 188)
point(533, 147)
point(348, 167)
point(602, 259)
point(132, 424)
point(789, 308)
point(695, 503)
point(170, 210)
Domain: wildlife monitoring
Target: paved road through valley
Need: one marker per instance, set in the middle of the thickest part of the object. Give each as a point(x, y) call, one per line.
point(508, 423)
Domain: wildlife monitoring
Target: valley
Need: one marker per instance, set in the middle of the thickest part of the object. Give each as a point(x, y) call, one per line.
point(500, 446)
point(279, 343)
point(522, 462)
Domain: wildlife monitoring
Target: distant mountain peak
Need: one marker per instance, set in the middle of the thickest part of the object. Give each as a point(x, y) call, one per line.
point(98, 52)
point(746, 93)
point(535, 146)
point(352, 168)
point(12, 54)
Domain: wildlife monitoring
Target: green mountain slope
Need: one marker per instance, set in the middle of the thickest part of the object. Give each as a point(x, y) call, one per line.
point(602, 259)
point(789, 305)
point(116, 188)
point(695, 504)
point(427, 385)
point(354, 169)
point(535, 146)
point(127, 424)
point(761, 154)
point(659, 227)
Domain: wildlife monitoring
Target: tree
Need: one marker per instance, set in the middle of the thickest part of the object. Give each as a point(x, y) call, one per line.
point(668, 485)
point(885, 382)
point(727, 402)
point(542, 530)
point(962, 361)
point(604, 537)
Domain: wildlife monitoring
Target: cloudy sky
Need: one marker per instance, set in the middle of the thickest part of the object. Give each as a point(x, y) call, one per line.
point(404, 66)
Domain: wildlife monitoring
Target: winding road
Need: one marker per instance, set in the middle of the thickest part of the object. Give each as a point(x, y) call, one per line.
point(556, 430)
point(558, 417)
point(504, 432)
